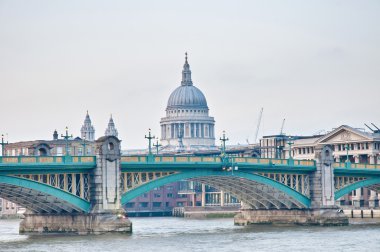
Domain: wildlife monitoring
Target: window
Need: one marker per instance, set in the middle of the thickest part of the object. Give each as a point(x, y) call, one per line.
point(59, 151)
point(169, 195)
point(156, 204)
point(143, 204)
point(157, 195)
point(169, 188)
point(130, 204)
point(179, 204)
point(167, 204)
point(145, 195)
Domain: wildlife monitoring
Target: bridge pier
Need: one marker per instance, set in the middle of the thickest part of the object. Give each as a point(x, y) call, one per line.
point(322, 211)
point(83, 224)
point(321, 216)
point(106, 214)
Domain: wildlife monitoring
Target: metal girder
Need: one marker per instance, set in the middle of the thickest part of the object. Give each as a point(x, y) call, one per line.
point(301, 200)
point(27, 204)
point(237, 192)
point(31, 198)
point(370, 182)
point(45, 195)
point(263, 192)
point(249, 190)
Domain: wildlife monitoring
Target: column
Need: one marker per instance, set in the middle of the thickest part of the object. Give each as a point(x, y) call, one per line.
point(221, 198)
point(203, 195)
point(373, 200)
point(358, 192)
point(337, 159)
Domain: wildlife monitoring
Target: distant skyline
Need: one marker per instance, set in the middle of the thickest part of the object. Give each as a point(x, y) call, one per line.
point(314, 63)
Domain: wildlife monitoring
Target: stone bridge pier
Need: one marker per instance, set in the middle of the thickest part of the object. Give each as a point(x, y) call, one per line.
point(322, 210)
point(106, 213)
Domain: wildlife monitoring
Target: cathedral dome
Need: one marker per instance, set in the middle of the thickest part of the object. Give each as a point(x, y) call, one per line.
point(186, 95)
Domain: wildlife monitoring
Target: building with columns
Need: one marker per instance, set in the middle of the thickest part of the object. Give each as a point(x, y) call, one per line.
point(187, 124)
point(187, 128)
point(356, 145)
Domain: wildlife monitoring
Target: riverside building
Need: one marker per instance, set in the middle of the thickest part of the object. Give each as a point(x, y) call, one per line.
point(348, 143)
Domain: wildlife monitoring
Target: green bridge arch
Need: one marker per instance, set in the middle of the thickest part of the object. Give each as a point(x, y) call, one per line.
point(133, 193)
point(60, 199)
point(356, 185)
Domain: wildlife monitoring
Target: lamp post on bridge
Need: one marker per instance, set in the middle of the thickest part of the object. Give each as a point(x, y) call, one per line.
point(157, 145)
point(224, 140)
point(67, 137)
point(150, 137)
point(3, 145)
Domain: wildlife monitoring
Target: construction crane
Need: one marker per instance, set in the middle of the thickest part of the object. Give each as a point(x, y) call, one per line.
point(377, 130)
point(369, 128)
point(282, 126)
point(258, 125)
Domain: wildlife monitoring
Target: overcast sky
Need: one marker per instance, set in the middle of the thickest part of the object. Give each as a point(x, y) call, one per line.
point(315, 63)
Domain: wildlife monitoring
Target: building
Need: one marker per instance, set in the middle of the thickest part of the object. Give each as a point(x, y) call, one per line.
point(187, 124)
point(57, 146)
point(188, 129)
point(54, 147)
point(111, 129)
point(87, 131)
point(348, 143)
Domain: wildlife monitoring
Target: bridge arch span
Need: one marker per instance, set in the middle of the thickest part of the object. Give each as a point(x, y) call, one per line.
point(39, 197)
point(258, 191)
point(371, 183)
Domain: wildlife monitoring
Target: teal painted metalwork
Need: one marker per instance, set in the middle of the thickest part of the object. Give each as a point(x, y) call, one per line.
point(47, 189)
point(356, 172)
point(356, 185)
point(305, 201)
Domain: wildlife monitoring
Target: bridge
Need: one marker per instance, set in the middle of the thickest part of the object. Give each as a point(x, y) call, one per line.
point(61, 191)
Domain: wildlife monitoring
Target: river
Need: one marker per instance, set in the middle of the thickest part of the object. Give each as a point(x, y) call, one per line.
point(177, 234)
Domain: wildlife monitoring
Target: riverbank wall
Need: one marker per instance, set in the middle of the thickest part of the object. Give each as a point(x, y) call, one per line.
point(206, 212)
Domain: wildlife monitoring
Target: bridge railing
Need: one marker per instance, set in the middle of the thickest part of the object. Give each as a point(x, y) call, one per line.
point(47, 159)
point(237, 160)
point(170, 159)
point(273, 161)
point(356, 166)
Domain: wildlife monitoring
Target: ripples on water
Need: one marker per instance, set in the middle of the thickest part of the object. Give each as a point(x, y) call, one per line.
point(176, 234)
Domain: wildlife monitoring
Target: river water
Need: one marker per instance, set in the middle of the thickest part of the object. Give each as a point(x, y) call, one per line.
point(177, 234)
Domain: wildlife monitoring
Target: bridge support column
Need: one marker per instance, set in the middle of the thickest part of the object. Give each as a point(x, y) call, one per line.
point(106, 214)
point(322, 190)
